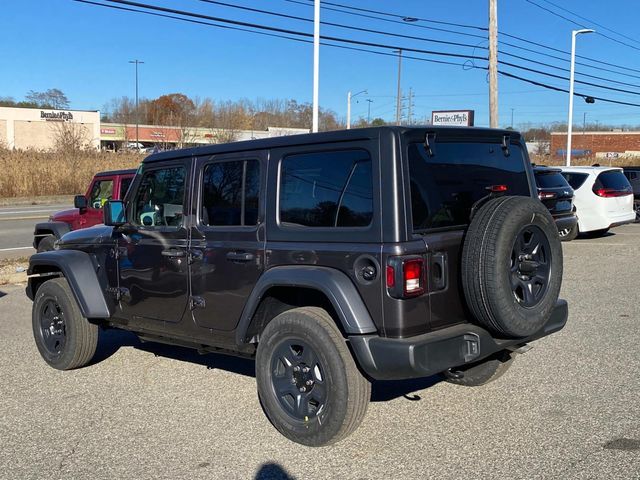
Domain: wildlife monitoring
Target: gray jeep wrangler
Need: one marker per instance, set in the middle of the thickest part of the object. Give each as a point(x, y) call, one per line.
point(333, 259)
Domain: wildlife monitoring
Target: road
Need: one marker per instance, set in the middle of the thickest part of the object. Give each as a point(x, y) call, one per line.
point(567, 409)
point(16, 227)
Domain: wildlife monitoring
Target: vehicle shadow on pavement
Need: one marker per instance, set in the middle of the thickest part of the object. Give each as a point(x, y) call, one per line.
point(2, 294)
point(111, 340)
point(272, 471)
point(383, 391)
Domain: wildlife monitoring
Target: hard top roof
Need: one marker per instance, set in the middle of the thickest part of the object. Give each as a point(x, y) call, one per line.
point(329, 137)
point(130, 171)
point(579, 168)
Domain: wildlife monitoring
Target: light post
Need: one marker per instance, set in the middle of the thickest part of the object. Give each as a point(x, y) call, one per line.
point(369, 101)
point(316, 64)
point(349, 97)
point(137, 62)
point(574, 34)
point(398, 97)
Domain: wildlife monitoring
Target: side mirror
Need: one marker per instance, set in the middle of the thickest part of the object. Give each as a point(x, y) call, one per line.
point(115, 214)
point(80, 201)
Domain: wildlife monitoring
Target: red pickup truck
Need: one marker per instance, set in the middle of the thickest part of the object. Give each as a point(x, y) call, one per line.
point(88, 208)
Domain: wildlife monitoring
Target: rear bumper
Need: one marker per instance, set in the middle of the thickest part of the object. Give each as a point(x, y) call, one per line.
point(434, 352)
point(566, 222)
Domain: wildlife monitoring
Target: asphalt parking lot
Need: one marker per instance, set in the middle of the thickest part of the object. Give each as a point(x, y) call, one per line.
point(569, 408)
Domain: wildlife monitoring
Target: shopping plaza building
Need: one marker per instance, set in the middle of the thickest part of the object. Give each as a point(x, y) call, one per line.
point(42, 129)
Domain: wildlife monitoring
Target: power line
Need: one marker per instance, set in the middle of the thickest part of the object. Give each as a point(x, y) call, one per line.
point(329, 38)
point(599, 25)
point(580, 24)
point(515, 37)
point(339, 25)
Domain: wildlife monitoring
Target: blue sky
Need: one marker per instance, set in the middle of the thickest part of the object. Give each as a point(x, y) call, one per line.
point(84, 51)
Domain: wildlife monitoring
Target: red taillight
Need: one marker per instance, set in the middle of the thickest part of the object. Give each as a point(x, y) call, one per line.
point(391, 277)
point(610, 192)
point(547, 195)
point(413, 276)
point(497, 188)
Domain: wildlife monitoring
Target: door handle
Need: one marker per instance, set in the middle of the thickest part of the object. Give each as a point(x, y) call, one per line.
point(240, 256)
point(173, 253)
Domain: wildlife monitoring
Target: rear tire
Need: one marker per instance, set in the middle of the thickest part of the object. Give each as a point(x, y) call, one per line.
point(65, 339)
point(568, 234)
point(308, 383)
point(481, 373)
point(512, 266)
point(46, 244)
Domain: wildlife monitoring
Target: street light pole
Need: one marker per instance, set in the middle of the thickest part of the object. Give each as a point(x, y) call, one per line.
point(349, 97)
point(316, 62)
point(512, 118)
point(137, 62)
point(399, 97)
point(369, 101)
point(574, 34)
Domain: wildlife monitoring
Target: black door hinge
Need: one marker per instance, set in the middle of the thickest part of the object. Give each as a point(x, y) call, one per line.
point(196, 302)
point(195, 255)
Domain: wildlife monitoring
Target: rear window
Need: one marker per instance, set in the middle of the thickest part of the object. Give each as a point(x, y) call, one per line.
point(550, 180)
point(612, 179)
point(575, 179)
point(445, 187)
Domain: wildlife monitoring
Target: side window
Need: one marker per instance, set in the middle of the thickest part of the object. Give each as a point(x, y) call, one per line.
point(575, 179)
point(125, 183)
point(327, 189)
point(159, 199)
point(100, 193)
point(230, 193)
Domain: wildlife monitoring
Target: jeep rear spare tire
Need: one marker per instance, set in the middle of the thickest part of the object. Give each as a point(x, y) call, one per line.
point(512, 266)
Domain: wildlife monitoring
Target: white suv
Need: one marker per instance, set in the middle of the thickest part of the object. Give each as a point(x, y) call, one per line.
point(603, 198)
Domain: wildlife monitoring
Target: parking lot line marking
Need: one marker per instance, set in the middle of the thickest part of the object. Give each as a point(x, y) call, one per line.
point(14, 248)
point(21, 212)
point(601, 243)
point(15, 219)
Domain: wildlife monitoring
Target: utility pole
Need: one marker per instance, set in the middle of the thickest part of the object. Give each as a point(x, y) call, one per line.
point(399, 94)
point(316, 62)
point(369, 101)
point(512, 109)
point(493, 63)
point(584, 122)
point(410, 107)
point(137, 62)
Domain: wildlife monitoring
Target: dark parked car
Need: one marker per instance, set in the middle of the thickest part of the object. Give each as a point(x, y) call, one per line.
point(87, 210)
point(333, 259)
point(557, 195)
point(633, 175)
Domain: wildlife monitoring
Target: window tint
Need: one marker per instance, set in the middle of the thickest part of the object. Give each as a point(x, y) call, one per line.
point(100, 193)
point(445, 187)
point(550, 180)
point(612, 179)
point(327, 189)
point(631, 175)
point(159, 198)
point(230, 195)
point(575, 179)
point(125, 183)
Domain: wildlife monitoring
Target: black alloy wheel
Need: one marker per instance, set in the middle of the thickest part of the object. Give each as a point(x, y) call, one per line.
point(530, 266)
point(53, 330)
point(298, 380)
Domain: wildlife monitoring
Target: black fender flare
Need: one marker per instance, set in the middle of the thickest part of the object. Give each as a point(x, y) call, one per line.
point(79, 270)
point(58, 229)
point(337, 286)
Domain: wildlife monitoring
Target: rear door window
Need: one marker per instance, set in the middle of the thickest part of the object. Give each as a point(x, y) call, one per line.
point(575, 179)
point(445, 186)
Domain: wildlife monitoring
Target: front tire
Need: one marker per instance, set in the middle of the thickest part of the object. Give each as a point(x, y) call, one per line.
point(65, 339)
point(46, 244)
point(308, 383)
